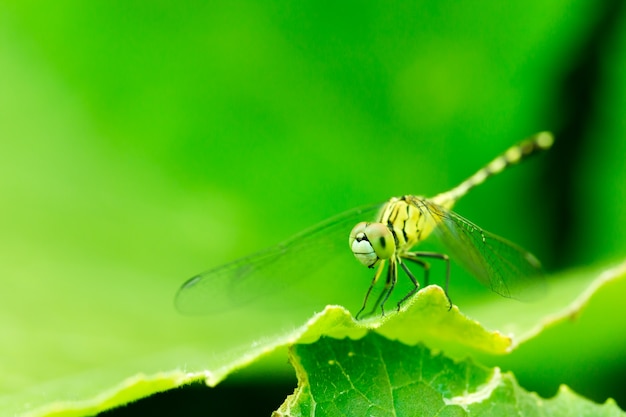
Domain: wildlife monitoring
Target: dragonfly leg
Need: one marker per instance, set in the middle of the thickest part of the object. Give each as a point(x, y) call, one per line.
point(379, 271)
point(416, 284)
point(415, 257)
point(392, 278)
point(410, 256)
point(386, 291)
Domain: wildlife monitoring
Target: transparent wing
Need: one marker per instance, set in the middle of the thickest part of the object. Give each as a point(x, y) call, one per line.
point(267, 278)
point(497, 263)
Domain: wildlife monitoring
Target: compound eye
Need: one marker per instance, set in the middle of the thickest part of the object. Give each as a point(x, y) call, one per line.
point(361, 246)
point(381, 239)
point(357, 233)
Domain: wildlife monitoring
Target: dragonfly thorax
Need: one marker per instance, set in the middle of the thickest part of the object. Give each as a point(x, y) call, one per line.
point(410, 220)
point(402, 223)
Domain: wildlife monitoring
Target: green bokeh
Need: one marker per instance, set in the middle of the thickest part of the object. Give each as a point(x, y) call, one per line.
point(142, 143)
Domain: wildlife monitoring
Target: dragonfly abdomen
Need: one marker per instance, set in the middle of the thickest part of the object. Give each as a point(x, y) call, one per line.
point(512, 156)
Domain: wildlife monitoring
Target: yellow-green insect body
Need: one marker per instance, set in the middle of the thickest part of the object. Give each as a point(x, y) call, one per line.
point(406, 221)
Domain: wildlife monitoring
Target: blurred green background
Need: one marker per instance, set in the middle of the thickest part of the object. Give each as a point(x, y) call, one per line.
point(142, 143)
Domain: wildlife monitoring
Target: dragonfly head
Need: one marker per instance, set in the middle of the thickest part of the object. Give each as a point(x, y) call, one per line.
point(371, 242)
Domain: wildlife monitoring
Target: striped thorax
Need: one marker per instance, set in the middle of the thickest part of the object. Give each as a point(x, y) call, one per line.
point(409, 220)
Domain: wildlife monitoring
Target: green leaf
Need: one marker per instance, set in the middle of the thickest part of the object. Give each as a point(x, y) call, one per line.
point(425, 319)
point(374, 376)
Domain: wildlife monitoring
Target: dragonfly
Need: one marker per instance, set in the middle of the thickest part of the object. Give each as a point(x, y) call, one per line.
point(383, 239)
